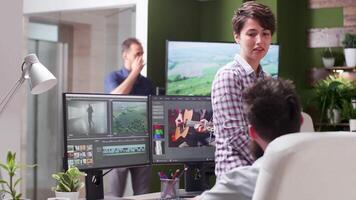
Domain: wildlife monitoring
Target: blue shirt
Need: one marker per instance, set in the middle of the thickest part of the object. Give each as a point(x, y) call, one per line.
point(142, 85)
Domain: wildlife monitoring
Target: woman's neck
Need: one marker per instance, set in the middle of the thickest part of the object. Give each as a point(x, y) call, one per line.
point(253, 63)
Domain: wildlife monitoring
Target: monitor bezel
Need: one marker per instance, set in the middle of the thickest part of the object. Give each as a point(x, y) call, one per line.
point(112, 97)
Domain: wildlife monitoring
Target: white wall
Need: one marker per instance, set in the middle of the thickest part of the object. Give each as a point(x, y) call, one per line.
point(125, 29)
point(42, 6)
point(12, 120)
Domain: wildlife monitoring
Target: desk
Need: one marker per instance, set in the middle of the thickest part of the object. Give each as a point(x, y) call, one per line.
point(152, 196)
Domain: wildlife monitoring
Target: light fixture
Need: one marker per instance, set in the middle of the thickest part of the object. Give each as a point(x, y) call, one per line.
point(40, 79)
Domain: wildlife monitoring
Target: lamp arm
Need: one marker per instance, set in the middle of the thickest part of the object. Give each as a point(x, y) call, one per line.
point(6, 99)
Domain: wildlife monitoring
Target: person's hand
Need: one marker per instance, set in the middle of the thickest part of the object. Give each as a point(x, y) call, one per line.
point(179, 120)
point(201, 126)
point(137, 64)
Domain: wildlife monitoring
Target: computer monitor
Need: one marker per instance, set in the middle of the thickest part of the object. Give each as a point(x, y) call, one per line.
point(183, 132)
point(181, 125)
point(191, 66)
point(106, 131)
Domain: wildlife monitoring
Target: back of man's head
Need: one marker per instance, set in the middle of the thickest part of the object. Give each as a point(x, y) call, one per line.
point(273, 108)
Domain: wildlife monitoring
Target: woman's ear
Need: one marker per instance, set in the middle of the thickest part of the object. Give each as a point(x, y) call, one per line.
point(237, 37)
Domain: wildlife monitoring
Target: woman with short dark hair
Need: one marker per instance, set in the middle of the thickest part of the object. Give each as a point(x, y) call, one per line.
point(253, 25)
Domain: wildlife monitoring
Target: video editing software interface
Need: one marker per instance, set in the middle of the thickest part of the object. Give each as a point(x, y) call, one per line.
point(182, 129)
point(105, 131)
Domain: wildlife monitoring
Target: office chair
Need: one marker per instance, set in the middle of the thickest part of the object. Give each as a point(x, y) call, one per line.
point(307, 125)
point(309, 166)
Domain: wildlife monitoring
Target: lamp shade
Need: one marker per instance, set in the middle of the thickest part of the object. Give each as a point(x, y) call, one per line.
point(39, 77)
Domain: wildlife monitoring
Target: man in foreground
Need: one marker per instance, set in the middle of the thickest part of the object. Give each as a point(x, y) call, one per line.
point(273, 109)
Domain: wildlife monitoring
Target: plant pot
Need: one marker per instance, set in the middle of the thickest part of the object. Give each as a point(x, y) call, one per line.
point(350, 57)
point(328, 62)
point(334, 115)
point(352, 124)
point(70, 195)
point(353, 102)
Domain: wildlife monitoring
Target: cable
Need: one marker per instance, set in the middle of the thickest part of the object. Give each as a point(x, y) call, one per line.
point(96, 178)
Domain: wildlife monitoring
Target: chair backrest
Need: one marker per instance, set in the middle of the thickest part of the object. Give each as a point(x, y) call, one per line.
point(307, 125)
point(309, 166)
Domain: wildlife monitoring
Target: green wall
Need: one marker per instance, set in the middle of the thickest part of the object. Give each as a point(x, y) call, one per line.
point(215, 20)
point(292, 39)
point(169, 20)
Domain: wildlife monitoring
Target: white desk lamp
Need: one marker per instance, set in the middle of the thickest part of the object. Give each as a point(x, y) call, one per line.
point(40, 80)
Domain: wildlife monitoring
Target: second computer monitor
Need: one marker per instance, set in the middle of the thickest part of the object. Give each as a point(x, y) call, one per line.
point(182, 129)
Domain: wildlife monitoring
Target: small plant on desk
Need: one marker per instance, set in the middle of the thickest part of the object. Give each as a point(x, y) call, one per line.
point(68, 183)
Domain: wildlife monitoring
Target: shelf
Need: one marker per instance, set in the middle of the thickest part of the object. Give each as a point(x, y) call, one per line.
point(345, 68)
point(316, 74)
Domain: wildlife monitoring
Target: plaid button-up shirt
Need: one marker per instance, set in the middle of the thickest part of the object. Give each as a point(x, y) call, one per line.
point(230, 120)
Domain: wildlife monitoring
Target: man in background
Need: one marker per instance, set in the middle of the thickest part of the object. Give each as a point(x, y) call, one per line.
point(129, 81)
point(273, 109)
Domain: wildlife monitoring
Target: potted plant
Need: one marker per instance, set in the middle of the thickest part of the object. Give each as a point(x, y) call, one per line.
point(329, 94)
point(68, 183)
point(11, 168)
point(349, 43)
point(328, 57)
point(349, 113)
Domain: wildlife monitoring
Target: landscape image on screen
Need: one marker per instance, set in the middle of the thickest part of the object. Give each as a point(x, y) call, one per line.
point(191, 66)
point(129, 118)
point(87, 117)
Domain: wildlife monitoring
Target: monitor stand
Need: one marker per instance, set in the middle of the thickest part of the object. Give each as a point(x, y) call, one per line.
point(195, 178)
point(94, 184)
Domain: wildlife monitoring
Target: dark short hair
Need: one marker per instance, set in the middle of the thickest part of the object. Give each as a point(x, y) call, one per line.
point(256, 11)
point(125, 46)
point(273, 108)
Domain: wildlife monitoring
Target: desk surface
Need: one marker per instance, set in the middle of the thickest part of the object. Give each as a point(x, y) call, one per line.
point(156, 195)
